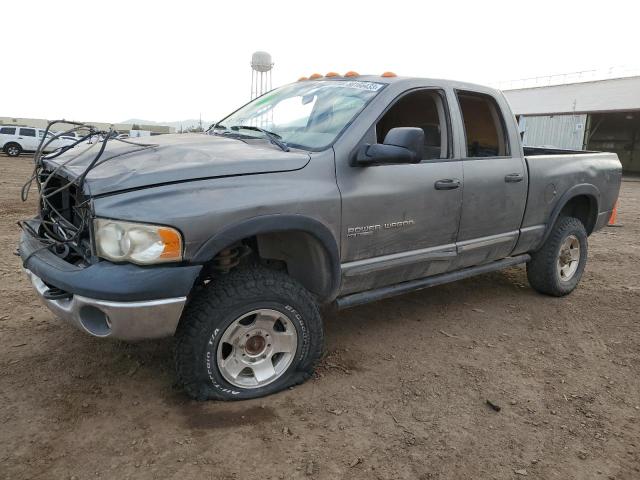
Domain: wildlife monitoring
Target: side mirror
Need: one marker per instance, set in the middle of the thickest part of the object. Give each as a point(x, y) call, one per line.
point(401, 145)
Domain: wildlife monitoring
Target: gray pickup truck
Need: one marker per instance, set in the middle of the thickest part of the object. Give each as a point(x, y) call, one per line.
point(332, 190)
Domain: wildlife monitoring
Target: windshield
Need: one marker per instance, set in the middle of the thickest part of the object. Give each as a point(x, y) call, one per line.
point(309, 115)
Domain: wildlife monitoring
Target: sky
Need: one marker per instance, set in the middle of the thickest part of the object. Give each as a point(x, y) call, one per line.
point(167, 61)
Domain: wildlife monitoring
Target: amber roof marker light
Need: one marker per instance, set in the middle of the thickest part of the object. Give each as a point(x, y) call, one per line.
point(332, 74)
point(302, 79)
point(388, 75)
point(351, 73)
point(314, 76)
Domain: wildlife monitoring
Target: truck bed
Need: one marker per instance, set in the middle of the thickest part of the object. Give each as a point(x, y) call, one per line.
point(556, 175)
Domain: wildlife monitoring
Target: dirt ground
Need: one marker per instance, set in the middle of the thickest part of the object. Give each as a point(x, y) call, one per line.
point(401, 394)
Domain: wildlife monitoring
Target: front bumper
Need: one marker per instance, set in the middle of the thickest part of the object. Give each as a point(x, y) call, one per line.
point(123, 301)
point(122, 320)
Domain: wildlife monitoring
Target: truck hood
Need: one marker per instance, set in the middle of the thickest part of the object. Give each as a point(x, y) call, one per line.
point(174, 158)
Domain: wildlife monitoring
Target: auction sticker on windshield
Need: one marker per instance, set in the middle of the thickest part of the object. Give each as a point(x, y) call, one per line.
point(370, 86)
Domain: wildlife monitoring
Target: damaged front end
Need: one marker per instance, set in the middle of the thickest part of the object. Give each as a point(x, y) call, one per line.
point(64, 207)
point(64, 219)
point(104, 299)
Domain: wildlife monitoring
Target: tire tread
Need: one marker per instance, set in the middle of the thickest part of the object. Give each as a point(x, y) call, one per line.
point(211, 302)
point(541, 270)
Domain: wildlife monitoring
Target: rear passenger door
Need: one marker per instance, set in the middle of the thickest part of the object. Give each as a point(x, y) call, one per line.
point(28, 139)
point(495, 182)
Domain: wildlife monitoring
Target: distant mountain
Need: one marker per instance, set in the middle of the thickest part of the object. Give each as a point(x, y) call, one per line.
point(192, 122)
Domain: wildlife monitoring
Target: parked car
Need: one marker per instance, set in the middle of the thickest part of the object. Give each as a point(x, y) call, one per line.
point(15, 140)
point(330, 191)
point(71, 136)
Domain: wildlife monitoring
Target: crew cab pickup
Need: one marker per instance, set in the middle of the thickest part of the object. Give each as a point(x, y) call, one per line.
point(332, 190)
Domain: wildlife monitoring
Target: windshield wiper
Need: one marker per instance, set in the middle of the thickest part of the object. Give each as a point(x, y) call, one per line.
point(273, 137)
point(226, 132)
point(215, 125)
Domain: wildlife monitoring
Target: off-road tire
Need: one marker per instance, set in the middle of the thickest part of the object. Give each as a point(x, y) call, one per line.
point(13, 149)
point(542, 270)
point(222, 302)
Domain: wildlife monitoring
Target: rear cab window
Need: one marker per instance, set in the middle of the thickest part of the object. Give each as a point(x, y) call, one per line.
point(484, 126)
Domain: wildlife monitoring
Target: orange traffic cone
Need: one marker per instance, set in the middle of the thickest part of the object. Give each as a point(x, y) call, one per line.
point(614, 215)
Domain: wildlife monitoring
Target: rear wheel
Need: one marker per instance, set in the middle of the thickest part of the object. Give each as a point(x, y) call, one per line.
point(251, 333)
point(13, 149)
point(557, 267)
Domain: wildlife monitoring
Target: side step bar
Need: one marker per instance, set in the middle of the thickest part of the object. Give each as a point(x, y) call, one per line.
point(361, 298)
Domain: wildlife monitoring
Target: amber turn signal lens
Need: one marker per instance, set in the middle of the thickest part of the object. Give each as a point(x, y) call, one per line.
point(172, 243)
point(388, 74)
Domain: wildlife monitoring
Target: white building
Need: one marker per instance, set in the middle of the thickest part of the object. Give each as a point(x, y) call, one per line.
point(595, 115)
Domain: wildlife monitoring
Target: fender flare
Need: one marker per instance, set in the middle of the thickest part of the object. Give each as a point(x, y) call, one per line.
point(585, 189)
point(12, 142)
point(272, 224)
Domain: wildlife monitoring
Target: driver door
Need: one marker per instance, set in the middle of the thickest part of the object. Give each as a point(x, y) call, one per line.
point(400, 221)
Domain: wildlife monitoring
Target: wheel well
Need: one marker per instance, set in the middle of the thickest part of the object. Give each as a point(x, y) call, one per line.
point(299, 253)
point(584, 208)
point(8, 144)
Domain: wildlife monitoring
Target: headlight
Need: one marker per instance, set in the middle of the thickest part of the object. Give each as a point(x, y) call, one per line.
point(136, 242)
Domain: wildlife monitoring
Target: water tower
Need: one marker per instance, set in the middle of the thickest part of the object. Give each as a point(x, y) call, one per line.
point(261, 65)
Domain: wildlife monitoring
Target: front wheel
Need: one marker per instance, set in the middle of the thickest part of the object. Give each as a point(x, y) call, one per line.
point(557, 267)
point(250, 333)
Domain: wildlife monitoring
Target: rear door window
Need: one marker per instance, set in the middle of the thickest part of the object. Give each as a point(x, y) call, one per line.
point(27, 132)
point(8, 130)
point(483, 126)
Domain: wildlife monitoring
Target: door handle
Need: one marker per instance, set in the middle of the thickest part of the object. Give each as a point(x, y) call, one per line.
point(447, 184)
point(513, 178)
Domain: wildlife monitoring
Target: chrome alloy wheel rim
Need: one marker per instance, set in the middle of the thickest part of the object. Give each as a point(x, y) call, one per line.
point(13, 151)
point(257, 348)
point(568, 258)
